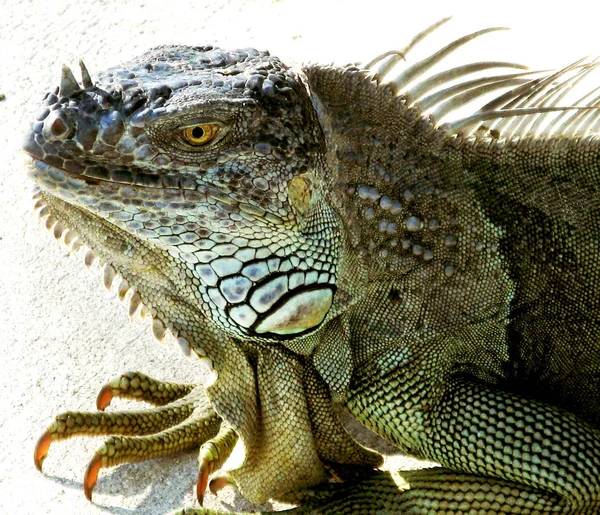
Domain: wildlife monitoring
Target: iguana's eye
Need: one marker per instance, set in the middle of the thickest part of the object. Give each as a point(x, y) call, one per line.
point(200, 134)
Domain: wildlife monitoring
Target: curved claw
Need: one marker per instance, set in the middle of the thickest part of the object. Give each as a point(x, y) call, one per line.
point(41, 449)
point(218, 483)
point(202, 481)
point(91, 476)
point(104, 398)
point(213, 453)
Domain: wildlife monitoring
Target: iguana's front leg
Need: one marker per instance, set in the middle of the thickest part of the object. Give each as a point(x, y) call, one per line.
point(545, 459)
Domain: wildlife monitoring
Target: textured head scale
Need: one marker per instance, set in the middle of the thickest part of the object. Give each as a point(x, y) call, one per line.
point(214, 159)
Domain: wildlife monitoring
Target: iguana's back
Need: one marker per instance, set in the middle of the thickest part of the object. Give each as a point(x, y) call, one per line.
point(544, 194)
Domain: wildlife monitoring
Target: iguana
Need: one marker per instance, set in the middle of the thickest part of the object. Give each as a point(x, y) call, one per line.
point(320, 237)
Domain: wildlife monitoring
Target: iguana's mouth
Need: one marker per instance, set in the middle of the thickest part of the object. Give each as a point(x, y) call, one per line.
point(51, 177)
point(113, 281)
point(48, 177)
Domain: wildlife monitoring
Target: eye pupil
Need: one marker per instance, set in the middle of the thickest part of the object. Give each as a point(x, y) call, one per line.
point(197, 132)
point(200, 134)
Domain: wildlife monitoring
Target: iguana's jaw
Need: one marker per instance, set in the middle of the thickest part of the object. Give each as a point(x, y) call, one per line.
point(134, 265)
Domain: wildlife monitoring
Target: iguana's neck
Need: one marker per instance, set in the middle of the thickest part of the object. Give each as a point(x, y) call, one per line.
point(394, 185)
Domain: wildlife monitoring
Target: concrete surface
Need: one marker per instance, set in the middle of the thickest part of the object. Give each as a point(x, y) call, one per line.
point(63, 336)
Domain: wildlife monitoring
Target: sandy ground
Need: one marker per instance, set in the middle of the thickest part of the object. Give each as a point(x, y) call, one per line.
point(62, 335)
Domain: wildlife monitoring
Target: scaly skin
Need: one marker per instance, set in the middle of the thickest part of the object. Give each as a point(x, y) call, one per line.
point(319, 240)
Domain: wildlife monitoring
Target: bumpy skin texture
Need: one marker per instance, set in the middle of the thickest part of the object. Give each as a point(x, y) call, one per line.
point(322, 241)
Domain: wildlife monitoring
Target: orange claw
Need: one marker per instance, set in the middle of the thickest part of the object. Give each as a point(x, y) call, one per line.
point(41, 449)
point(104, 397)
point(202, 481)
point(219, 483)
point(91, 476)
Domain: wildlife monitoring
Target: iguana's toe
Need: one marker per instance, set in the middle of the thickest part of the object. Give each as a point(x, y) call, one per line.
point(128, 449)
point(140, 387)
point(186, 422)
point(211, 457)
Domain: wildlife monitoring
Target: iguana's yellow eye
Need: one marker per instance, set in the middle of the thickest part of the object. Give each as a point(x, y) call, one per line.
point(200, 134)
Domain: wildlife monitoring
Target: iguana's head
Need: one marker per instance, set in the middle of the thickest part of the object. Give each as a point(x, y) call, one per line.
point(211, 161)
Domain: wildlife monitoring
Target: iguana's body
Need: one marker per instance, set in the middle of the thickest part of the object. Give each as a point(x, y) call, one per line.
point(321, 241)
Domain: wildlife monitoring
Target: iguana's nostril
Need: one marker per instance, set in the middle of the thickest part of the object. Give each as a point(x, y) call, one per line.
point(57, 127)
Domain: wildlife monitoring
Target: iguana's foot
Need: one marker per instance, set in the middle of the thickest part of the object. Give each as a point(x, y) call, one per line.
point(183, 420)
